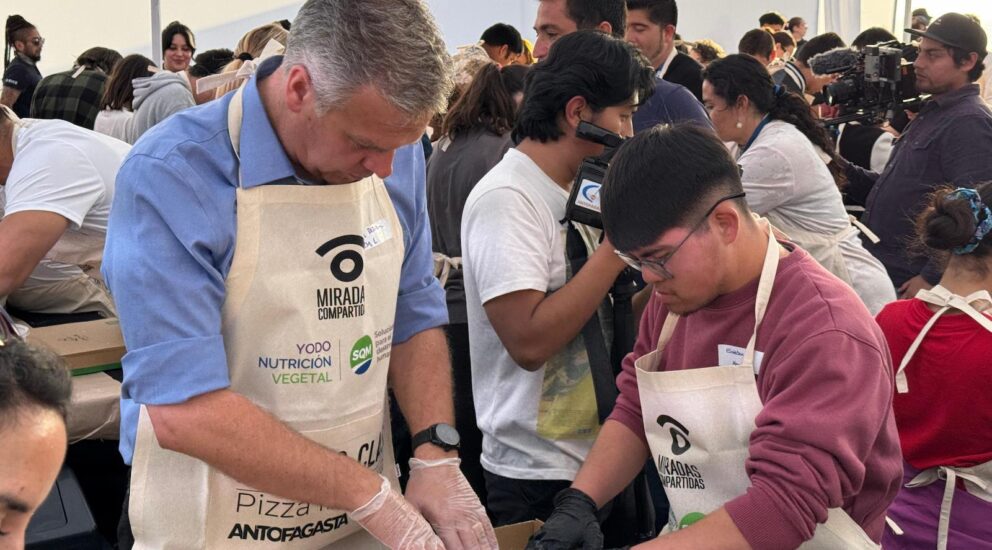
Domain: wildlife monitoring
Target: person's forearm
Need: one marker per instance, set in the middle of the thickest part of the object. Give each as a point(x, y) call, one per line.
point(859, 181)
point(615, 458)
point(560, 316)
point(420, 377)
point(8, 96)
point(232, 434)
point(716, 531)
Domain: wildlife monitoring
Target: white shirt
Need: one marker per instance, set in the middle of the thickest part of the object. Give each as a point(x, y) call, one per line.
point(660, 73)
point(70, 171)
point(783, 172)
point(512, 240)
point(113, 123)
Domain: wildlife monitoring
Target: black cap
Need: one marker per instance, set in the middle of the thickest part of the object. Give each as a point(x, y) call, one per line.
point(960, 31)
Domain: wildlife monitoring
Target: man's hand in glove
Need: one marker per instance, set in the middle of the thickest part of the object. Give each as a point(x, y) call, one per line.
point(573, 524)
point(394, 522)
point(441, 493)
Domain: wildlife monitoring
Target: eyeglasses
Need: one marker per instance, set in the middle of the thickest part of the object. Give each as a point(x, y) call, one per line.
point(658, 266)
point(38, 41)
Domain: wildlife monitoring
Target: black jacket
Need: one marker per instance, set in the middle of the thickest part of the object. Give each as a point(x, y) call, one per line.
point(685, 71)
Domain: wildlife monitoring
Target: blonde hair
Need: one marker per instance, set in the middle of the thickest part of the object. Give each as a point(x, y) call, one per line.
point(251, 44)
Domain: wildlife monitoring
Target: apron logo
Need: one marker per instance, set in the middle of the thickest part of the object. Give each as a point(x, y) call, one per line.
point(361, 355)
point(337, 262)
point(680, 435)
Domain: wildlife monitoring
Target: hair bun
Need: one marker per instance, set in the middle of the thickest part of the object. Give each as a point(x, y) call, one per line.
point(949, 223)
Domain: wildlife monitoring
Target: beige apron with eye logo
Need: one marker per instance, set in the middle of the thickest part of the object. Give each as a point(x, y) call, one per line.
point(307, 325)
point(698, 424)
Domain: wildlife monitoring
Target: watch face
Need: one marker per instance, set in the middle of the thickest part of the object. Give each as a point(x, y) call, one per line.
point(447, 434)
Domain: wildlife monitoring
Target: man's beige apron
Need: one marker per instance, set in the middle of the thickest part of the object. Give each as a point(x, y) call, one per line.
point(698, 423)
point(977, 479)
point(307, 325)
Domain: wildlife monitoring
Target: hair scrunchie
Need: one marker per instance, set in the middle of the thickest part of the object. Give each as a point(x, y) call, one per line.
point(778, 90)
point(983, 225)
point(245, 56)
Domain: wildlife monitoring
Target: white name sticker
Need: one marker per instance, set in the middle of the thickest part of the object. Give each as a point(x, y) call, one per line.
point(733, 355)
point(377, 233)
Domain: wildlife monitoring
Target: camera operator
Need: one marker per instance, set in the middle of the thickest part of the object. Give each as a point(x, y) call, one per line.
point(947, 143)
point(531, 375)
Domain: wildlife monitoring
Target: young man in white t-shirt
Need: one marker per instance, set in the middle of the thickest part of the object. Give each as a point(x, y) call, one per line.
point(534, 396)
point(56, 188)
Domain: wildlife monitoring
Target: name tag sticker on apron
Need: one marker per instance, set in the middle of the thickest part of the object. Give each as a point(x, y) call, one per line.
point(733, 355)
point(377, 233)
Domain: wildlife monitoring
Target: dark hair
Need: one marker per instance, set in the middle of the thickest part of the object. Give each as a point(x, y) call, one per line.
point(793, 23)
point(173, 29)
point(660, 12)
point(286, 24)
point(604, 70)
point(31, 376)
point(819, 44)
point(663, 178)
point(872, 36)
point(961, 57)
point(14, 31)
point(118, 92)
point(99, 58)
point(784, 39)
point(488, 101)
point(948, 223)
point(771, 18)
point(210, 62)
point(502, 34)
point(757, 42)
point(587, 14)
point(742, 75)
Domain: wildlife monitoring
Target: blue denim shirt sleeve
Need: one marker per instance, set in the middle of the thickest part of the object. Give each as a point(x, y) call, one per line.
point(421, 302)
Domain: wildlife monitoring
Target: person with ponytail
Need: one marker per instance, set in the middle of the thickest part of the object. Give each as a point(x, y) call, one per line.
point(257, 43)
point(21, 54)
point(941, 341)
point(786, 160)
point(475, 135)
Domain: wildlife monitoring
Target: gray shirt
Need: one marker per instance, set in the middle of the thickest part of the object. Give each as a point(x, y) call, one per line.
point(452, 172)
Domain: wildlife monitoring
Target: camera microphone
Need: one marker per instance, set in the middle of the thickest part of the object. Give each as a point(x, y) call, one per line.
point(834, 61)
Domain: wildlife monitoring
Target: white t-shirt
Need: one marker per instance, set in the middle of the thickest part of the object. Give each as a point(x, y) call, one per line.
point(784, 172)
point(70, 171)
point(512, 240)
point(113, 123)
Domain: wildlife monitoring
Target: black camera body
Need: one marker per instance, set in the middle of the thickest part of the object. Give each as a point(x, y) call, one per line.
point(874, 84)
point(583, 203)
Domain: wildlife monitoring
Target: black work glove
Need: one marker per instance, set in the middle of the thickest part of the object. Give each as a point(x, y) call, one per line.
point(573, 524)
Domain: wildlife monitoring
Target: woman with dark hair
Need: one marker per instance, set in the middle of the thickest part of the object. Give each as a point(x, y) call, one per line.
point(475, 135)
point(178, 47)
point(784, 156)
point(116, 109)
point(942, 340)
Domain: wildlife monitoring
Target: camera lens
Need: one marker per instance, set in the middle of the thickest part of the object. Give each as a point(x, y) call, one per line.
point(841, 91)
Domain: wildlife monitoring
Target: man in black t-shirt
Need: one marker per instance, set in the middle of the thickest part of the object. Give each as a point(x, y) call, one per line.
point(21, 75)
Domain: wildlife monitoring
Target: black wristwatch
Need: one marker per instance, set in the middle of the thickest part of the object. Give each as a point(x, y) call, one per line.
point(444, 436)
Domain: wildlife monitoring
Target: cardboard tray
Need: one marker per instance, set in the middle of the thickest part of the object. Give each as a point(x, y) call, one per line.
point(515, 537)
point(87, 347)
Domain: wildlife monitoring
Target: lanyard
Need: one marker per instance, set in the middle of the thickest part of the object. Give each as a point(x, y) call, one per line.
point(757, 131)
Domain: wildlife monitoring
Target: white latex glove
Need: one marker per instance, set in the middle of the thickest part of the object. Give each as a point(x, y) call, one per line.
point(442, 494)
point(394, 522)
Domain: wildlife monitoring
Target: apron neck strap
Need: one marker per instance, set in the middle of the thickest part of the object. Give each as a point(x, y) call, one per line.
point(768, 271)
point(235, 111)
point(945, 300)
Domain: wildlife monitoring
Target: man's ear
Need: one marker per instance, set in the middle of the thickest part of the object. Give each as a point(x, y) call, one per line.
point(968, 64)
point(727, 221)
point(573, 113)
point(605, 26)
point(299, 88)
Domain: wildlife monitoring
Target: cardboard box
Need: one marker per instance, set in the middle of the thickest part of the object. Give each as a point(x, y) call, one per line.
point(87, 347)
point(515, 537)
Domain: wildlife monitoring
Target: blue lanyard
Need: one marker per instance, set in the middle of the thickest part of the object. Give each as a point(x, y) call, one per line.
point(757, 131)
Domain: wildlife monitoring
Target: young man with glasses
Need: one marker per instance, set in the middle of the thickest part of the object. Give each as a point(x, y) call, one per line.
point(21, 74)
point(790, 436)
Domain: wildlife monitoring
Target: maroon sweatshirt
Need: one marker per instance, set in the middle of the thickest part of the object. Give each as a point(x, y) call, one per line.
point(826, 436)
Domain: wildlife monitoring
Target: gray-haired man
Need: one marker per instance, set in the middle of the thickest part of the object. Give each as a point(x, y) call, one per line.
point(270, 285)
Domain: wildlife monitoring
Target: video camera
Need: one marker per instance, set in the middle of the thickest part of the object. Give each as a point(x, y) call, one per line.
point(874, 84)
point(583, 203)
